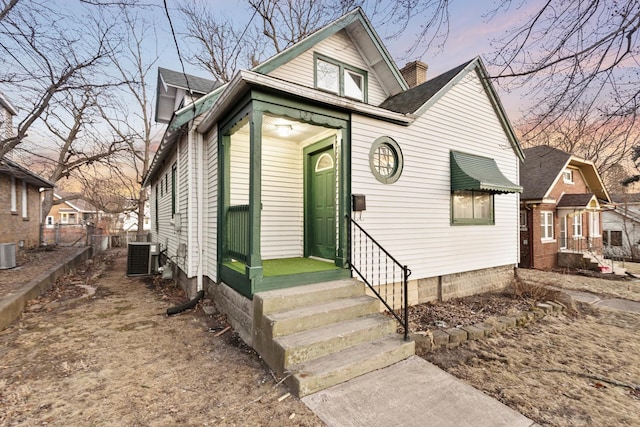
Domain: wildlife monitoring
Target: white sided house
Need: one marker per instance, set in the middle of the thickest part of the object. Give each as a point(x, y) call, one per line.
point(281, 193)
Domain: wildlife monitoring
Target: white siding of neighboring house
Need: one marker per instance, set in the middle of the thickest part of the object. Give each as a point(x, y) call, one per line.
point(339, 47)
point(211, 206)
point(614, 221)
point(411, 217)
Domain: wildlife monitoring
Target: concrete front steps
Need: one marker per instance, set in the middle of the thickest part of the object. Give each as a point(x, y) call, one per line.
point(588, 261)
point(325, 334)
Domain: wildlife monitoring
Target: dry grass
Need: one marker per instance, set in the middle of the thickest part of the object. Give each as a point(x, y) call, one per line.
point(557, 371)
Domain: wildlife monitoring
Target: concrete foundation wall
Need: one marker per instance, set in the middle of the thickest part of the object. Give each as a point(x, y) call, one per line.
point(237, 308)
point(449, 286)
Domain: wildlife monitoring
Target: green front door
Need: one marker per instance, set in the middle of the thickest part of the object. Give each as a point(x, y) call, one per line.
point(321, 204)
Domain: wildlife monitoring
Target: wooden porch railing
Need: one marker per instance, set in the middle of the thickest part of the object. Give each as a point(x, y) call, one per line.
point(237, 232)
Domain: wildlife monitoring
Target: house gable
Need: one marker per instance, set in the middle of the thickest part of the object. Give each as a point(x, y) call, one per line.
point(351, 38)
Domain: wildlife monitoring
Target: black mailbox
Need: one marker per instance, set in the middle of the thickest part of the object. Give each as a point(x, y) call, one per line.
point(359, 202)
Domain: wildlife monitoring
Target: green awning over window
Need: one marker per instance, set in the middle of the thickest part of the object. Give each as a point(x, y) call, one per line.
point(477, 173)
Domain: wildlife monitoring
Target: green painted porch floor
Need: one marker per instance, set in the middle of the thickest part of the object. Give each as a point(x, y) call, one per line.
point(286, 266)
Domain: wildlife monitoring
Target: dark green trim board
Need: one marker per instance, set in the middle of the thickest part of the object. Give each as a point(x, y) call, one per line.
point(478, 173)
point(174, 176)
point(344, 196)
point(254, 263)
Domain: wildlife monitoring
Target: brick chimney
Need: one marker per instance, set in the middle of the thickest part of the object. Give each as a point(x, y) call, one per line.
point(415, 73)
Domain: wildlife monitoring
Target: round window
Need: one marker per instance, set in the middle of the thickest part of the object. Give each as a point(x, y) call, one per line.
point(385, 160)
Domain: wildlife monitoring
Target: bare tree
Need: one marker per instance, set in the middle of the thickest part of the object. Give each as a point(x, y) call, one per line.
point(220, 48)
point(133, 127)
point(47, 57)
point(574, 55)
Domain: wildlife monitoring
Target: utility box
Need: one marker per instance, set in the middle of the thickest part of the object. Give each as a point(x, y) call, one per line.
point(7, 255)
point(359, 202)
point(142, 258)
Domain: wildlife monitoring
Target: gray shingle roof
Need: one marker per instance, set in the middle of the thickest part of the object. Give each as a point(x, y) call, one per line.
point(541, 167)
point(412, 99)
point(187, 81)
point(625, 198)
point(11, 168)
point(575, 200)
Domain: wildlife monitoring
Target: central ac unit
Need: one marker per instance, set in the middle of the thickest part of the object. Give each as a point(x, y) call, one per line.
point(7, 255)
point(142, 259)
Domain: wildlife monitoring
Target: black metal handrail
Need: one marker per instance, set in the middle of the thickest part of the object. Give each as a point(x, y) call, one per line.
point(379, 269)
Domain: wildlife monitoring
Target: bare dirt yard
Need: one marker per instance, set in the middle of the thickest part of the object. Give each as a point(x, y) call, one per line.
point(117, 359)
point(579, 369)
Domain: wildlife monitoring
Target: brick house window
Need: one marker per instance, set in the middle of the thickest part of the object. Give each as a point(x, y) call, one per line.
point(25, 200)
point(577, 225)
point(546, 225)
point(14, 198)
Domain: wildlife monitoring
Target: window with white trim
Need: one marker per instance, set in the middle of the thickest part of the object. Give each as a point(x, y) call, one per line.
point(594, 224)
point(546, 225)
point(567, 176)
point(577, 225)
point(25, 200)
point(523, 220)
point(14, 198)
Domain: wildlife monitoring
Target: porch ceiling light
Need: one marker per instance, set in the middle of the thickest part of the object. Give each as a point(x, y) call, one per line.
point(284, 130)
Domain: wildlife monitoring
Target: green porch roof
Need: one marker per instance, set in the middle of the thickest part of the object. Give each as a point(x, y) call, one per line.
point(471, 172)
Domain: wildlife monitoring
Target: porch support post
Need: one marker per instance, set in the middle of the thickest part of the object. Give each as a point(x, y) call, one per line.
point(344, 179)
point(254, 261)
point(224, 194)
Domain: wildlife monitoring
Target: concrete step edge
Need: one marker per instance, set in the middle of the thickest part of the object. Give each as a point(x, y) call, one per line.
point(320, 342)
point(336, 368)
point(322, 315)
point(299, 296)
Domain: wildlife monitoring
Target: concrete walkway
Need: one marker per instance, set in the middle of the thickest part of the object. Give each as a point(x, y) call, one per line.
point(410, 393)
point(607, 303)
point(416, 393)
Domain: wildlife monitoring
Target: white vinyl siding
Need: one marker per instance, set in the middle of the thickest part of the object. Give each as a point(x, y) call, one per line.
point(339, 47)
point(211, 206)
point(411, 217)
point(282, 193)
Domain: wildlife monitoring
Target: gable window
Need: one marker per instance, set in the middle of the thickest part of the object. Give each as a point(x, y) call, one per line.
point(567, 176)
point(25, 200)
point(577, 225)
point(341, 79)
point(472, 207)
point(546, 225)
point(14, 199)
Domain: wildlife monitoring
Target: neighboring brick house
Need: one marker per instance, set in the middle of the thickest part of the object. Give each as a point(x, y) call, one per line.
point(560, 207)
point(19, 192)
point(72, 212)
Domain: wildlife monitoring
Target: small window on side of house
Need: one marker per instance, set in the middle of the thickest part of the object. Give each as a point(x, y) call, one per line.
point(546, 225)
point(523, 220)
point(25, 200)
point(14, 198)
point(472, 207)
point(567, 176)
point(615, 238)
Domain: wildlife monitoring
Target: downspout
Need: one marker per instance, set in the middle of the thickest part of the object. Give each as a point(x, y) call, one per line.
point(200, 213)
